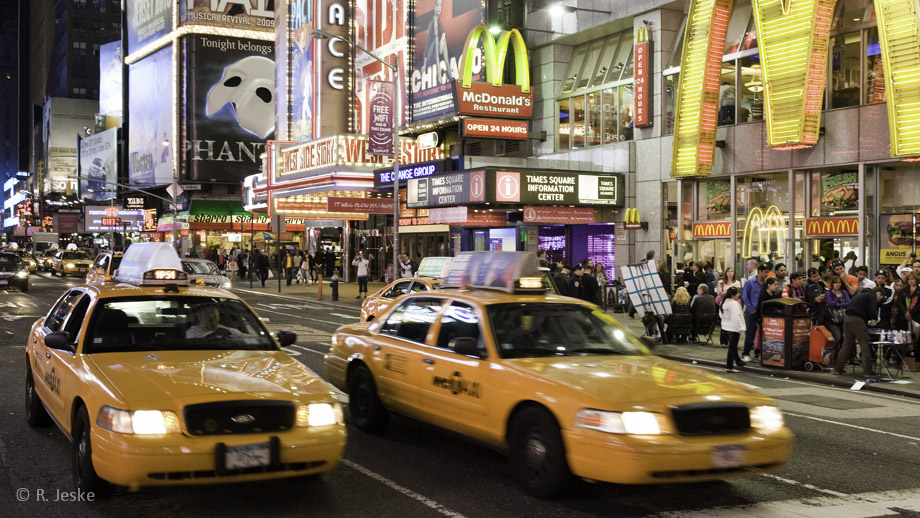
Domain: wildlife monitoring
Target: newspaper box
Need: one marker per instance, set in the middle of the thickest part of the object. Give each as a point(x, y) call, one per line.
point(785, 333)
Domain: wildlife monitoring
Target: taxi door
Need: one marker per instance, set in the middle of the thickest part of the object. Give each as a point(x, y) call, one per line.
point(456, 390)
point(397, 352)
point(49, 382)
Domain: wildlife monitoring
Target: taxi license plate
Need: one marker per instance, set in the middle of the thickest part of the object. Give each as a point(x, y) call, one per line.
point(83, 270)
point(729, 456)
point(248, 456)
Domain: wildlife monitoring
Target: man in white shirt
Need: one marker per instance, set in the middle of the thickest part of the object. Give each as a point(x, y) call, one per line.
point(862, 273)
point(363, 266)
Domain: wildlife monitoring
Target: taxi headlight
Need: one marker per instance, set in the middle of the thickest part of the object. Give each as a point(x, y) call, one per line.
point(319, 414)
point(140, 422)
point(636, 423)
point(22, 274)
point(68, 265)
point(226, 284)
point(766, 419)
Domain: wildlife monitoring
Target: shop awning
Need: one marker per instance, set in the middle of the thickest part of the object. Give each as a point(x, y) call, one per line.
point(217, 207)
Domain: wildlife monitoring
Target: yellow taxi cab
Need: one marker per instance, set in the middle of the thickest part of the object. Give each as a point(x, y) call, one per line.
point(70, 262)
point(27, 258)
point(554, 380)
point(103, 267)
point(428, 276)
point(160, 383)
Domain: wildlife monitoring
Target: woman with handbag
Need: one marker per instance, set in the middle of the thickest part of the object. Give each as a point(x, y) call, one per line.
point(837, 300)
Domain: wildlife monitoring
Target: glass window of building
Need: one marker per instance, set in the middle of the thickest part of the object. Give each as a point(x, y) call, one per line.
point(714, 200)
point(845, 73)
point(762, 205)
point(596, 99)
point(751, 90)
point(565, 124)
point(727, 94)
point(738, 25)
point(670, 91)
point(851, 13)
point(875, 70)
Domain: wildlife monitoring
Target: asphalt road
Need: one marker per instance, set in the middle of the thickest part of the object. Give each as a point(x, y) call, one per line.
point(857, 454)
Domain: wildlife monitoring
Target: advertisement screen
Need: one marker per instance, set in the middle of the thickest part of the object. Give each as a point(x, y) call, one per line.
point(380, 26)
point(147, 21)
point(230, 108)
point(150, 81)
point(98, 165)
point(112, 219)
point(110, 83)
point(240, 14)
point(441, 29)
point(297, 104)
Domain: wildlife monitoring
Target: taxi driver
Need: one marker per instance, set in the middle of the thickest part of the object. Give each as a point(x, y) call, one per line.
point(209, 324)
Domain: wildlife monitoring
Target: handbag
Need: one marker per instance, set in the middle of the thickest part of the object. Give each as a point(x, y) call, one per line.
point(837, 315)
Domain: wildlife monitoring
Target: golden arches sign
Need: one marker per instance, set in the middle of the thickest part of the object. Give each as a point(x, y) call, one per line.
point(762, 227)
point(832, 227)
point(712, 229)
point(631, 219)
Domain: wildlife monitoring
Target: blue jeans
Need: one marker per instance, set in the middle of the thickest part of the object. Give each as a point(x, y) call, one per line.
point(750, 321)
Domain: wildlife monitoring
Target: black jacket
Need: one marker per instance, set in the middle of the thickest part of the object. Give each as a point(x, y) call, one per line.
point(693, 280)
point(863, 305)
point(585, 288)
point(817, 309)
point(904, 300)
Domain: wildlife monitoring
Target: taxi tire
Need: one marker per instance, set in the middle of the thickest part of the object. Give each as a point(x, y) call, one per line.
point(538, 459)
point(364, 407)
point(36, 415)
point(84, 474)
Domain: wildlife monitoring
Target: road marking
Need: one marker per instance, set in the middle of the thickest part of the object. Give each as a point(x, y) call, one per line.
point(307, 349)
point(300, 317)
point(350, 317)
point(424, 500)
point(863, 428)
point(861, 505)
point(806, 485)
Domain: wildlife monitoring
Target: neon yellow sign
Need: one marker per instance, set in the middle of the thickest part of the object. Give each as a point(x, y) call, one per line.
point(698, 88)
point(899, 32)
point(493, 56)
point(793, 37)
point(762, 228)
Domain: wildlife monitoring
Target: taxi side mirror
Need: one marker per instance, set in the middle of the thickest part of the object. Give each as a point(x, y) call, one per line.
point(286, 338)
point(466, 346)
point(58, 340)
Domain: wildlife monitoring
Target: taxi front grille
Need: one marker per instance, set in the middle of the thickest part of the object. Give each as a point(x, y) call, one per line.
point(711, 419)
point(713, 472)
point(235, 417)
point(187, 475)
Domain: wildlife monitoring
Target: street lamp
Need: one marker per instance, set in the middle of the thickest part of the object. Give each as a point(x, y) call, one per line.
point(174, 193)
point(320, 34)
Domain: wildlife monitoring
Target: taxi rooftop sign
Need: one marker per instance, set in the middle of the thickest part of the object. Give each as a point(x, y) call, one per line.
point(504, 271)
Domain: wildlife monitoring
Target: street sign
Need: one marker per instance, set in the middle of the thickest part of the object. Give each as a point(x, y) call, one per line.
point(174, 190)
point(191, 186)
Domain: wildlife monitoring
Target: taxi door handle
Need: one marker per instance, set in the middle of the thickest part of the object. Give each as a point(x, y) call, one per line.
point(47, 354)
point(429, 361)
point(376, 347)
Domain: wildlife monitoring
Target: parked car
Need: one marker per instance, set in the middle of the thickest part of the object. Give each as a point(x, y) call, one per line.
point(202, 271)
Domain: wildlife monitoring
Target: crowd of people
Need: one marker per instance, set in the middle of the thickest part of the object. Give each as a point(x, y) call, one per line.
point(586, 280)
point(846, 301)
point(296, 265)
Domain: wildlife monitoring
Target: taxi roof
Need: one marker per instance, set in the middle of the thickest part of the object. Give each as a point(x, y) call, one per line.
point(486, 297)
point(112, 290)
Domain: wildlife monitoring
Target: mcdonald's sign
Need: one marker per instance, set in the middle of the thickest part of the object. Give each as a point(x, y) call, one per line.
point(493, 98)
point(766, 230)
point(642, 55)
point(631, 220)
point(832, 227)
point(712, 229)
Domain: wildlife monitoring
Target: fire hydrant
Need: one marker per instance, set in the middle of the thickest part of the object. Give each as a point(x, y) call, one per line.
point(334, 283)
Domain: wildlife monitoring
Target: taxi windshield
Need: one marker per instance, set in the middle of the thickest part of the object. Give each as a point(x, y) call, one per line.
point(532, 330)
point(200, 268)
point(75, 256)
point(116, 262)
point(9, 261)
point(175, 324)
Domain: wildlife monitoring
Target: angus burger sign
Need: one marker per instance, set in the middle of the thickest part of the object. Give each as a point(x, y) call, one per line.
point(493, 98)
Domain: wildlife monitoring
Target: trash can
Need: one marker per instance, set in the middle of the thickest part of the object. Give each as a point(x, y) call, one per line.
point(785, 333)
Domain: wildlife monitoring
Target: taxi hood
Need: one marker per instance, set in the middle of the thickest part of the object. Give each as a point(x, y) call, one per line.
point(623, 382)
point(189, 376)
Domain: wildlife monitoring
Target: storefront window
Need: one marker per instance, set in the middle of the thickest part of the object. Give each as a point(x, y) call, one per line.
point(751, 90)
point(593, 137)
point(727, 94)
point(565, 125)
point(609, 103)
point(741, 18)
point(899, 203)
point(578, 59)
point(670, 91)
point(845, 75)
point(762, 209)
point(578, 122)
point(626, 112)
point(834, 193)
point(714, 200)
point(848, 13)
point(610, 51)
point(622, 60)
point(587, 71)
point(875, 70)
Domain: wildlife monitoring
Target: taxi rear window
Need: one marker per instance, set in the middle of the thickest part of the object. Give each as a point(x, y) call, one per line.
point(532, 330)
point(175, 324)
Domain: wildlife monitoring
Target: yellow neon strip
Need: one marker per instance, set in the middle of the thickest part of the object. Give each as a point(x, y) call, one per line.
point(697, 105)
point(899, 33)
point(793, 41)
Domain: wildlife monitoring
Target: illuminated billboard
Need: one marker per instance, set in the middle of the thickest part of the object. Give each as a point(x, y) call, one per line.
point(380, 26)
point(110, 79)
point(294, 71)
point(899, 32)
point(230, 107)
point(99, 165)
point(238, 14)
point(440, 31)
point(151, 113)
point(147, 21)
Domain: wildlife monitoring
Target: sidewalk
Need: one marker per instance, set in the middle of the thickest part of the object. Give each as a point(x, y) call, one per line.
point(703, 354)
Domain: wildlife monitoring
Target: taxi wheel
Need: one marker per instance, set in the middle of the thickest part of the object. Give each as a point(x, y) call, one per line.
point(84, 474)
point(364, 407)
point(36, 415)
point(538, 454)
